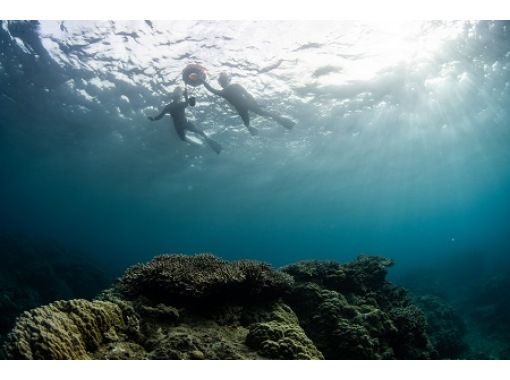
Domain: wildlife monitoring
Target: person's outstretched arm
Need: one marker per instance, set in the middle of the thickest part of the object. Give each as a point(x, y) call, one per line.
point(160, 116)
point(212, 89)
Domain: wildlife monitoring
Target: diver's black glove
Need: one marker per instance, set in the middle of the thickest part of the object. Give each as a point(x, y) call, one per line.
point(192, 101)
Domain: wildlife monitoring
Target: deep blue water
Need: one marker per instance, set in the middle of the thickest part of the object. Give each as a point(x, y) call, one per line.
point(401, 148)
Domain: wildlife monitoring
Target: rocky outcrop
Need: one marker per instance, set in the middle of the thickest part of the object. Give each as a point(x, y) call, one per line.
point(76, 329)
point(351, 312)
point(35, 273)
point(202, 307)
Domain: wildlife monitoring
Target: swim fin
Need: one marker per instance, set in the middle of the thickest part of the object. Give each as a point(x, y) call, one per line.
point(253, 131)
point(214, 145)
point(284, 122)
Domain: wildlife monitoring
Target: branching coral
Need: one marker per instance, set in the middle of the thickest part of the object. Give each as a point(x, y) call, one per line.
point(188, 279)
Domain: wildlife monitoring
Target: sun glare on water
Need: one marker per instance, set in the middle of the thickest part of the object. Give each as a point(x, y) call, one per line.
point(371, 47)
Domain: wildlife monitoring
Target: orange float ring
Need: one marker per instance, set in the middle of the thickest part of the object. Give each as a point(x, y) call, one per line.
point(194, 74)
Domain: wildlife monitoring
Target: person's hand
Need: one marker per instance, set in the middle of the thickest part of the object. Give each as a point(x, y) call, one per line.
point(192, 101)
point(150, 118)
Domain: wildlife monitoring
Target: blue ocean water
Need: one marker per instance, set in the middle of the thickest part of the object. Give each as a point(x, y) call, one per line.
point(401, 147)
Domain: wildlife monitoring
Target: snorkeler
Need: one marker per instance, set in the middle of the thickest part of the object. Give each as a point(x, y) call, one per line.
point(243, 102)
point(177, 110)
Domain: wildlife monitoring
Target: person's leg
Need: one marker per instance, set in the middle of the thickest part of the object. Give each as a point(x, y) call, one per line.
point(181, 132)
point(243, 112)
point(192, 128)
point(255, 108)
point(213, 144)
point(283, 121)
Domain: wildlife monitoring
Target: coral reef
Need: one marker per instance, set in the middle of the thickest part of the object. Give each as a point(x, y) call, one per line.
point(365, 273)
point(203, 278)
point(351, 312)
point(174, 307)
point(35, 272)
point(281, 336)
point(202, 307)
point(73, 329)
point(466, 305)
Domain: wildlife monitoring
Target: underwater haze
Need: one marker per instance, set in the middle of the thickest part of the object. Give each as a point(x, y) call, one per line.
point(401, 146)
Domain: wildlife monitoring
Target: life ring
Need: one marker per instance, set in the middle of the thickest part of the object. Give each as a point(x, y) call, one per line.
point(194, 74)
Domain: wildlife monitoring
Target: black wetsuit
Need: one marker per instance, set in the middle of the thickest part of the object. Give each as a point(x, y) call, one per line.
point(177, 110)
point(181, 123)
point(243, 102)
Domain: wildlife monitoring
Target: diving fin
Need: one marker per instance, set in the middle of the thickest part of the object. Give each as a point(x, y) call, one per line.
point(285, 122)
point(253, 131)
point(214, 145)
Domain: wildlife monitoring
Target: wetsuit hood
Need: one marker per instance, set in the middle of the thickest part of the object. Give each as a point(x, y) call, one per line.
point(224, 79)
point(177, 93)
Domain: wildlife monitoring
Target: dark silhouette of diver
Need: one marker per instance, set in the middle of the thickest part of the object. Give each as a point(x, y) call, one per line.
point(176, 109)
point(243, 102)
